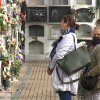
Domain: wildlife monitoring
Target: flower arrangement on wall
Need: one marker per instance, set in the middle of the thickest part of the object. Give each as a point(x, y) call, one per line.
point(38, 17)
point(11, 58)
point(21, 16)
point(73, 12)
point(92, 9)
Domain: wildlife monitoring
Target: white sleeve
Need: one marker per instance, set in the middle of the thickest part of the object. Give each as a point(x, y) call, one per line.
point(62, 49)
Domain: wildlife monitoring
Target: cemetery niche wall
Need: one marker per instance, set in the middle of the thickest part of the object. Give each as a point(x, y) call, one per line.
point(36, 14)
point(56, 13)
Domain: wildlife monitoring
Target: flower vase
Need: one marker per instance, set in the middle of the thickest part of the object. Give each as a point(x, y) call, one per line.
point(6, 83)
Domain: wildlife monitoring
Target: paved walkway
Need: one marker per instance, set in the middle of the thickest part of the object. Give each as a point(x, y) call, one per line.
point(33, 83)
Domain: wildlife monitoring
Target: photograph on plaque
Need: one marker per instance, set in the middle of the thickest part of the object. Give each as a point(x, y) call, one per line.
point(56, 13)
point(36, 14)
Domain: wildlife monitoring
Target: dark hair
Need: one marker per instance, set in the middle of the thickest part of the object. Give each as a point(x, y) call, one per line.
point(98, 22)
point(71, 21)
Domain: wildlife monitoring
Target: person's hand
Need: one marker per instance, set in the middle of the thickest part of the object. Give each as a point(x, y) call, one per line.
point(49, 71)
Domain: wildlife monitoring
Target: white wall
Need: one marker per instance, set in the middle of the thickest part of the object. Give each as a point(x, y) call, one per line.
point(46, 39)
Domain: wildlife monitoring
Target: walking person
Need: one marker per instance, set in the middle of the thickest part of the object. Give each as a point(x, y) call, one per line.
point(61, 47)
point(94, 94)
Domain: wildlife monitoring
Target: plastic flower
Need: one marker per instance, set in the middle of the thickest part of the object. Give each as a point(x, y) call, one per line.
point(13, 42)
point(6, 74)
point(17, 56)
point(73, 12)
point(22, 35)
point(12, 63)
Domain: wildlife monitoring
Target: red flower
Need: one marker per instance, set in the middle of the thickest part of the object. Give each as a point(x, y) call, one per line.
point(20, 20)
point(7, 61)
point(3, 63)
point(11, 63)
point(8, 18)
point(91, 45)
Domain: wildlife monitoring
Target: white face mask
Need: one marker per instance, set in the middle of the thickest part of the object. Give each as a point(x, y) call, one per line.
point(62, 30)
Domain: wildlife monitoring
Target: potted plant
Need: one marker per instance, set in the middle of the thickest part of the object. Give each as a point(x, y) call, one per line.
point(15, 68)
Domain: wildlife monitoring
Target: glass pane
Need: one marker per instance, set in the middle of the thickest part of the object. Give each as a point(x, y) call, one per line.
point(88, 2)
point(84, 15)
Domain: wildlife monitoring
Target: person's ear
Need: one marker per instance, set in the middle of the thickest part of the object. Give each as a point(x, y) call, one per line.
point(66, 24)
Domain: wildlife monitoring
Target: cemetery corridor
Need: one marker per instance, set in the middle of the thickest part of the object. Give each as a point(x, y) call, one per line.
point(34, 83)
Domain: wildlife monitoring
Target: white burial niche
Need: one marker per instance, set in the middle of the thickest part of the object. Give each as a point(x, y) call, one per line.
point(35, 2)
point(84, 31)
point(59, 2)
point(55, 32)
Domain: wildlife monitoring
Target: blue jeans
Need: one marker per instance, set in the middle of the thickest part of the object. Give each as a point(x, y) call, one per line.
point(64, 95)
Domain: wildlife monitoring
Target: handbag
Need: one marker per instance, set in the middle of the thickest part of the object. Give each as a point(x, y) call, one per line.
point(88, 82)
point(75, 60)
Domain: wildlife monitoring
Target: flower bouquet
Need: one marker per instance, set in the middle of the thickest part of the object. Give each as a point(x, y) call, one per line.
point(15, 67)
point(38, 17)
point(21, 17)
point(73, 12)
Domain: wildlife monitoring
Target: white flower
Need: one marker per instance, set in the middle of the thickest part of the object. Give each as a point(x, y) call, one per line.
point(8, 40)
point(37, 14)
point(4, 23)
point(41, 14)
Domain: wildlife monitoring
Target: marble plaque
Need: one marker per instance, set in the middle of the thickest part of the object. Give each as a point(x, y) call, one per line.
point(35, 2)
point(87, 2)
point(36, 30)
point(36, 47)
point(59, 2)
point(56, 13)
point(55, 32)
point(36, 14)
point(84, 31)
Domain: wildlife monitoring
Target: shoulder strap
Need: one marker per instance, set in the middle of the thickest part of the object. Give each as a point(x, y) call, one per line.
point(71, 81)
point(96, 47)
point(74, 41)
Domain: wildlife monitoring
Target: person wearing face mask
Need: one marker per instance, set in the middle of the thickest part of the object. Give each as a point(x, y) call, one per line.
point(94, 69)
point(61, 47)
